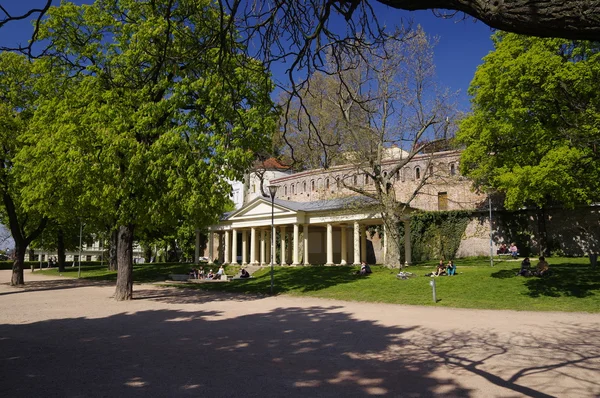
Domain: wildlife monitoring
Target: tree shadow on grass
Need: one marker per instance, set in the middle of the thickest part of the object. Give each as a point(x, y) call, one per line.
point(293, 352)
point(572, 280)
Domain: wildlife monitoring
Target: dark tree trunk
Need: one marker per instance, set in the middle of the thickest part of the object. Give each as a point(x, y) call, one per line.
point(17, 269)
point(61, 251)
point(574, 19)
point(112, 250)
point(124, 289)
point(543, 238)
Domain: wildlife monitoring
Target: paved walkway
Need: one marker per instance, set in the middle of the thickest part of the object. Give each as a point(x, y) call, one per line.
point(69, 338)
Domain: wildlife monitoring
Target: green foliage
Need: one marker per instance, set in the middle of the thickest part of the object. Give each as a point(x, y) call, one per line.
point(144, 113)
point(437, 235)
point(534, 133)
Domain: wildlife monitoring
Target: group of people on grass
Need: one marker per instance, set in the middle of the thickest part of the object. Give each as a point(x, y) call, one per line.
point(200, 274)
point(444, 269)
point(542, 268)
point(513, 250)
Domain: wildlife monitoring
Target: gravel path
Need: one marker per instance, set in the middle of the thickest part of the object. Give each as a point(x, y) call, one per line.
point(69, 338)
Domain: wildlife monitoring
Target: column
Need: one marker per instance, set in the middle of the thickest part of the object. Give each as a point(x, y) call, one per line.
point(234, 247)
point(295, 244)
point(407, 245)
point(253, 246)
point(283, 250)
point(363, 244)
point(244, 247)
point(268, 246)
point(329, 244)
point(197, 248)
point(263, 234)
point(226, 249)
point(305, 231)
point(288, 245)
point(356, 243)
point(211, 246)
point(344, 248)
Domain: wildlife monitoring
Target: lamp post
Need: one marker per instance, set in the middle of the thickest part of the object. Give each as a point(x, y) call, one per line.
point(491, 232)
point(272, 192)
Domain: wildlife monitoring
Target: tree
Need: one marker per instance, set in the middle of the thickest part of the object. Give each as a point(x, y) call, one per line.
point(17, 81)
point(387, 109)
point(534, 133)
point(159, 114)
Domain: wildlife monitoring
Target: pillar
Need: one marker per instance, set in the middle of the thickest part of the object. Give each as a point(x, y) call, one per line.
point(234, 247)
point(344, 248)
point(283, 251)
point(211, 247)
point(295, 244)
point(244, 247)
point(268, 246)
point(226, 249)
point(263, 234)
point(329, 244)
point(363, 244)
point(305, 231)
point(356, 239)
point(253, 246)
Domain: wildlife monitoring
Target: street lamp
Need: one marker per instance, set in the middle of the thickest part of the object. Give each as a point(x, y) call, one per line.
point(272, 192)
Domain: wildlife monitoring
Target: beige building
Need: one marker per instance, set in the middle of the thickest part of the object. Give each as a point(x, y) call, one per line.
point(318, 220)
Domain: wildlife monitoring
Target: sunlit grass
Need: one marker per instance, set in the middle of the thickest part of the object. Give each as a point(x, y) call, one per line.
point(573, 286)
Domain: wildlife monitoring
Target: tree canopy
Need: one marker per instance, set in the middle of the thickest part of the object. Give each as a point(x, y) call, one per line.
point(534, 132)
point(158, 115)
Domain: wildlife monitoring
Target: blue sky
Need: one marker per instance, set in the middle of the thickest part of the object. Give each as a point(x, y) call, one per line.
point(462, 42)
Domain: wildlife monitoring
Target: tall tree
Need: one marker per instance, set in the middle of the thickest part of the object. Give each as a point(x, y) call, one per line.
point(159, 115)
point(17, 96)
point(387, 108)
point(534, 132)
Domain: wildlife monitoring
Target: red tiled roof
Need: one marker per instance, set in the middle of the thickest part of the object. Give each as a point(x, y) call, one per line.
point(271, 164)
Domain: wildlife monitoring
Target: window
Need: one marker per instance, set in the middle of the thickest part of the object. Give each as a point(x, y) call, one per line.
point(355, 180)
point(417, 173)
point(285, 190)
point(442, 200)
point(337, 182)
point(312, 186)
point(293, 189)
point(253, 188)
point(397, 175)
point(304, 186)
point(367, 182)
point(327, 183)
point(452, 169)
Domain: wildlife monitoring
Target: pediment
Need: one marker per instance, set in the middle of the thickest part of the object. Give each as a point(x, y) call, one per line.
point(260, 208)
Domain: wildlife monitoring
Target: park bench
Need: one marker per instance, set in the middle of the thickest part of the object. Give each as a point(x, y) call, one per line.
point(179, 277)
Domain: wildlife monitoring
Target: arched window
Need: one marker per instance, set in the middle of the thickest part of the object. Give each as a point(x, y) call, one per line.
point(285, 190)
point(337, 182)
point(452, 169)
point(304, 186)
point(293, 189)
point(327, 183)
point(355, 180)
point(312, 186)
point(417, 173)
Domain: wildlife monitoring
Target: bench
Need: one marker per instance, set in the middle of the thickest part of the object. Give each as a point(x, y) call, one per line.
point(237, 278)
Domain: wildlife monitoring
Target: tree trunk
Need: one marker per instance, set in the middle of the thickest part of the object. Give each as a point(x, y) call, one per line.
point(17, 269)
point(543, 239)
point(112, 250)
point(124, 289)
point(393, 243)
point(61, 251)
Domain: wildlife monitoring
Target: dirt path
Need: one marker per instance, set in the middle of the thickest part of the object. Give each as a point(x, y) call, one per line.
point(68, 338)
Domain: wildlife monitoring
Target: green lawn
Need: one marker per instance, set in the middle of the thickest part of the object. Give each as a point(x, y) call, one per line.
point(573, 286)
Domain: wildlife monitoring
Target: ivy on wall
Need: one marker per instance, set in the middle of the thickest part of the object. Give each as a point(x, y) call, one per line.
point(436, 234)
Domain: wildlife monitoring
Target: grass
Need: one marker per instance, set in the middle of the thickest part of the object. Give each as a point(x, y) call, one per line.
point(574, 286)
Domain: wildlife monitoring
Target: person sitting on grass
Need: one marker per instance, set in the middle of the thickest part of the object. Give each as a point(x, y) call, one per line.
point(210, 274)
point(451, 268)
point(440, 270)
point(514, 251)
point(193, 273)
point(542, 268)
point(244, 273)
point(220, 272)
point(525, 267)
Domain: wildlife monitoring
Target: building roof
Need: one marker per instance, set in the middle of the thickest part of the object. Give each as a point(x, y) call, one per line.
point(270, 164)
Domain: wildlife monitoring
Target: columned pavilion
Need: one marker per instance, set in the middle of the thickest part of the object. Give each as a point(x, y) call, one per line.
point(329, 232)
